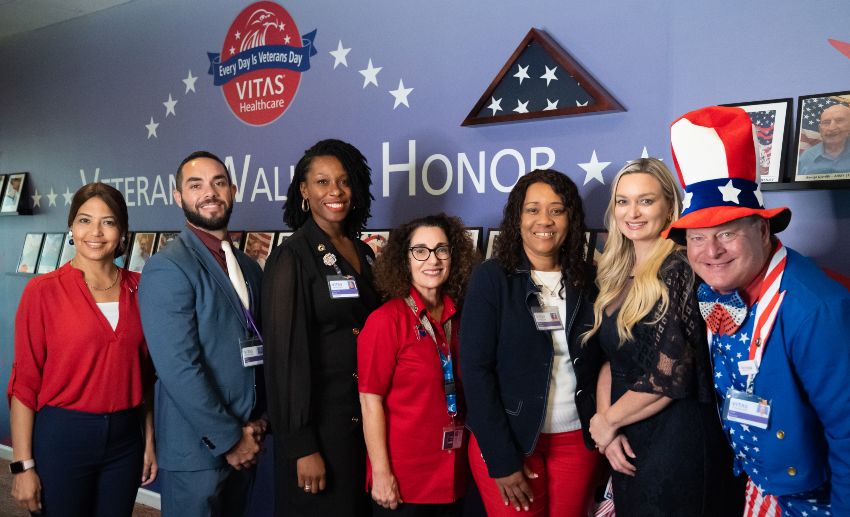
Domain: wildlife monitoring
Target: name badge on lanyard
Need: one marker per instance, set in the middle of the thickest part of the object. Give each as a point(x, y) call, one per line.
point(452, 437)
point(547, 317)
point(252, 351)
point(340, 286)
point(746, 408)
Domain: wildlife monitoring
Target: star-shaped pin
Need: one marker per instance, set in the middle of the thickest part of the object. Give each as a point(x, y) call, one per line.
point(152, 128)
point(68, 195)
point(551, 105)
point(51, 197)
point(36, 199)
point(686, 202)
point(339, 55)
point(581, 104)
point(730, 193)
point(549, 75)
point(189, 81)
point(593, 169)
point(495, 105)
point(401, 94)
point(759, 196)
point(370, 74)
point(521, 107)
point(169, 106)
point(522, 73)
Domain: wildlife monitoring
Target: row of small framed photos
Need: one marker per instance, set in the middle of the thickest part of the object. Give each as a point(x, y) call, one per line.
point(11, 189)
point(821, 150)
point(44, 252)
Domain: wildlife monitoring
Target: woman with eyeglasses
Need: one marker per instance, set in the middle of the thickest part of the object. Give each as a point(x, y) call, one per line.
point(407, 367)
point(529, 383)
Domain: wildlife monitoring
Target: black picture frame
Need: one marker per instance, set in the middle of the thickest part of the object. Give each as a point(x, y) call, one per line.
point(259, 245)
point(772, 121)
point(595, 239)
point(68, 250)
point(282, 236)
point(475, 233)
point(376, 239)
point(808, 141)
point(51, 250)
point(492, 235)
point(28, 263)
point(163, 239)
point(14, 193)
point(141, 250)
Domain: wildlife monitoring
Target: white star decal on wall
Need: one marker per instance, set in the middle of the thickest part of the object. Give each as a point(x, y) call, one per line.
point(51, 197)
point(36, 199)
point(68, 195)
point(551, 105)
point(730, 193)
point(340, 55)
point(370, 74)
point(521, 107)
point(152, 128)
point(549, 75)
point(189, 81)
point(169, 106)
point(401, 94)
point(593, 169)
point(495, 105)
point(522, 73)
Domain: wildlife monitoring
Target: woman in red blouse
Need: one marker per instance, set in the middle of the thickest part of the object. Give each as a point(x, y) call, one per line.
point(81, 442)
point(407, 371)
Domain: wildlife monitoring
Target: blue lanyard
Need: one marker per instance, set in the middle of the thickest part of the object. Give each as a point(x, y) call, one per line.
point(445, 361)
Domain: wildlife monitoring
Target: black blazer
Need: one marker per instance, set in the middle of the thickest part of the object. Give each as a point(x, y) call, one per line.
point(506, 362)
point(311, 340)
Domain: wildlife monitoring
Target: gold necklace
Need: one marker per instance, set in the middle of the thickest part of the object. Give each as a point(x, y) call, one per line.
point(93, 288)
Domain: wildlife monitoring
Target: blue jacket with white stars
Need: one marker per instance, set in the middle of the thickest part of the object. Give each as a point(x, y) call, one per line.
point(804, 374)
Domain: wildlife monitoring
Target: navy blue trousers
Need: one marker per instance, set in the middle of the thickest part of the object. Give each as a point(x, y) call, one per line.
point(90, 464)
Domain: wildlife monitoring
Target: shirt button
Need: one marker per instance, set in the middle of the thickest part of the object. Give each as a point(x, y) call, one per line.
point(792, 471)
point(780, 434)
point(355, 331)
point(355, 419)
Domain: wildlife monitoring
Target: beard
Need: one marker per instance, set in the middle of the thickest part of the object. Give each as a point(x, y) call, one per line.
point(210, 224)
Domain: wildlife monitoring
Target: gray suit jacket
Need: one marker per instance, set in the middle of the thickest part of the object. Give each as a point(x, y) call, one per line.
point(193, 321)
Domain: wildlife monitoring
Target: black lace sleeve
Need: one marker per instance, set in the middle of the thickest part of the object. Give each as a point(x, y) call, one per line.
point(671, 347)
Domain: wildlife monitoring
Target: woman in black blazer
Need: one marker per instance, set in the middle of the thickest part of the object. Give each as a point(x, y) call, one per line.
point(529, 384)
point(317, 292)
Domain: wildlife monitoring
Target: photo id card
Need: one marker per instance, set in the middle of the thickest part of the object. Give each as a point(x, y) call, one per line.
point(547, 318)
point(252, 351)
point(342, 287)
point(452, 437)
point(745, 408)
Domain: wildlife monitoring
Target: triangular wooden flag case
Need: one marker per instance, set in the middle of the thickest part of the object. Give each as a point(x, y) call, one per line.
point(564, 88)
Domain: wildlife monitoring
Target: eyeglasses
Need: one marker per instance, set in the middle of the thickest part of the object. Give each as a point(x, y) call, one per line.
point(422, 253)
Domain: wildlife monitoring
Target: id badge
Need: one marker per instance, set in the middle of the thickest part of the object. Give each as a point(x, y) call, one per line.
point(252, 351)
point(547, 318)
point(452, 437)
point(745, 408)
point(342, 287)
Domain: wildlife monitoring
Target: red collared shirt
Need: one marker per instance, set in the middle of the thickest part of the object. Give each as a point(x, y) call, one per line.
point(66, 353)
point(395, 362)
point(212, 243)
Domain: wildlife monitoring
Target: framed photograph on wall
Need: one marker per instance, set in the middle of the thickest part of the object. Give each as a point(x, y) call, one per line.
point(772, 122)
point(258, 246)
point(282, 236)
point(492, 235)
point(141, 250)
point(236, 239)
point(68, 250)
point(823, 137)
point(475, 235)
point(2, 183)
point(48, 260)
point(595, 244)
point(13, 193)
point(164, 239)
point(376, 239)
point(29, 255)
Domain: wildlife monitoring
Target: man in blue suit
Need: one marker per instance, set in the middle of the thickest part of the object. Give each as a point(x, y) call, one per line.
point(199, 301)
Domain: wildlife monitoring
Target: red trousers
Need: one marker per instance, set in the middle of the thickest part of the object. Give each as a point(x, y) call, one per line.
point(567, 473)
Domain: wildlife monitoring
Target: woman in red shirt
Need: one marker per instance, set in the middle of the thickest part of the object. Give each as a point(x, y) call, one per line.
point(81, 373)
point(407, 371)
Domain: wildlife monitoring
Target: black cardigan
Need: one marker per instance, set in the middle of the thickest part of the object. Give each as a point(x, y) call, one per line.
point(506, 362)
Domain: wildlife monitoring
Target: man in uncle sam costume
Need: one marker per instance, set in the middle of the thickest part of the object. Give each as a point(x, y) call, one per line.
point(779, 328)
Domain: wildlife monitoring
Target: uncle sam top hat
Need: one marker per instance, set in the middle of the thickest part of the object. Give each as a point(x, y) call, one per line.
point(715, 153)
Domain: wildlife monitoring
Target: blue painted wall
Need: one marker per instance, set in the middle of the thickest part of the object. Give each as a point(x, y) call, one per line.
point(76, 98)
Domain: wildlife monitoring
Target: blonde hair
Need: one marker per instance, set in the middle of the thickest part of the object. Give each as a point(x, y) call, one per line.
point(618, 258)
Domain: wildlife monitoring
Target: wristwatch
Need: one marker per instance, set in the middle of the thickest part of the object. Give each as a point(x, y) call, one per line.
point(16, 467)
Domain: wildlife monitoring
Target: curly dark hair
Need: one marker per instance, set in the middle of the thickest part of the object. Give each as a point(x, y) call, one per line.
point(392, 268)
point(508, 247)
point(359, 177)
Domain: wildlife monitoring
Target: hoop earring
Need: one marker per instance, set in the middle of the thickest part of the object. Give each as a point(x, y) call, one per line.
point(305, 205)
point(70, 238)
